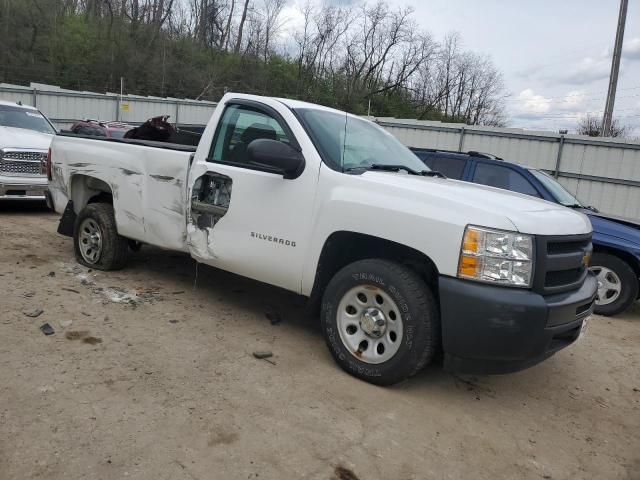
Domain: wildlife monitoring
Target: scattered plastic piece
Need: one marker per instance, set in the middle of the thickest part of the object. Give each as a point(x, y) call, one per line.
point(262, 355)
point(47, 329)
point(65, 323)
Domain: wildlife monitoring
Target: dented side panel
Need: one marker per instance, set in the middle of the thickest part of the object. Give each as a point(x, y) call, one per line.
point(148, 185)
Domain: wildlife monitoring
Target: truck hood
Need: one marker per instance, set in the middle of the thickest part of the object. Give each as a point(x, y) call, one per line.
point(21, 138)
point(526, 213)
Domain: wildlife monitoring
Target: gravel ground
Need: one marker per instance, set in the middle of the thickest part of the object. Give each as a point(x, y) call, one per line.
point(150, 375)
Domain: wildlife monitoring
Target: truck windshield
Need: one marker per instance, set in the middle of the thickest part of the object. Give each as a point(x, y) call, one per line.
point(349, 143)
point(17, 117)
point(561, 195)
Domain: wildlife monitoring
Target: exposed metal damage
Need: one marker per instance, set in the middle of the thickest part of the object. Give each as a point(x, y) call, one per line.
point(210, 200)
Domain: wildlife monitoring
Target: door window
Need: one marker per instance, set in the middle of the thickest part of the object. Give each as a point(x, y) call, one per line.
point(240, 125)
point(450, 167)
point(503, 177)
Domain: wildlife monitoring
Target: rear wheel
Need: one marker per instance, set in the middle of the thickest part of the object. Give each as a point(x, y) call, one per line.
point(96, 240)
point(380, 321)
point(617, 284)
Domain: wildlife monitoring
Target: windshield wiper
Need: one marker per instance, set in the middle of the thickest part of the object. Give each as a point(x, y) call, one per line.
point(577, 205)
point(396, 168)
point(432, 173)
point(393, 168)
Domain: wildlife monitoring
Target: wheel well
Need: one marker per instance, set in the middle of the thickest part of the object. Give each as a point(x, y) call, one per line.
point(86, 190)
point(624, 256)
point(343, 248)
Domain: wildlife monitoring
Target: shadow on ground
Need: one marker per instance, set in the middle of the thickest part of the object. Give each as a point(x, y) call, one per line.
point(22, 207)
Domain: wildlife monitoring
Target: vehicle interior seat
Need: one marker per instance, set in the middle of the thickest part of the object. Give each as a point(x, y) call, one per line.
point(255, 131)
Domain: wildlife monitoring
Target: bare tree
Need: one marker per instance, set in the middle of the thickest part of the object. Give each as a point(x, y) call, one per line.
point(241, 26)
point(459, 86)
point(227, 33)
point(382, 51)
point(368, 53)
point(592, 126)
point(272, 10)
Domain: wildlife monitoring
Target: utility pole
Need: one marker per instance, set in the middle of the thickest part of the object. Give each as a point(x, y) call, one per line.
point(7, 14)
point(118, 114)
point(615, 67)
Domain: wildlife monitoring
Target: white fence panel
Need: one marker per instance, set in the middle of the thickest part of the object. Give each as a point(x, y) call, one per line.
point(64, 107)
point(69, 108)
point(604, 173)
point(24, 96)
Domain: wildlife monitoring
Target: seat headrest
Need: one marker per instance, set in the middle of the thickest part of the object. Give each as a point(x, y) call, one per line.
point(257, 131)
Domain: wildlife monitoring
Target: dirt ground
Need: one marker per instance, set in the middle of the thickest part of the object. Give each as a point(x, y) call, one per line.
point(150, 375)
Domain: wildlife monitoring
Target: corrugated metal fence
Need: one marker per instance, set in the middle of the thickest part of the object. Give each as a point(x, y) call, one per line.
point(604, 173)
point(64, 107)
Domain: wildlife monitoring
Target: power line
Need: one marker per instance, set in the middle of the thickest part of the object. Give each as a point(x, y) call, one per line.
point(573, 116)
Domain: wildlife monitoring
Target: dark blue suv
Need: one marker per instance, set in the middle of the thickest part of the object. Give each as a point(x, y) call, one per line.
point(616, 241)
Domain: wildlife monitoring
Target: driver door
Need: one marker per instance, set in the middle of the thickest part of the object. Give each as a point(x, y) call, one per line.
point(242, 217)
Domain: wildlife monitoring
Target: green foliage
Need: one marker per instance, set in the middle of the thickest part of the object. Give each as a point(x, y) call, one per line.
point(90, 45)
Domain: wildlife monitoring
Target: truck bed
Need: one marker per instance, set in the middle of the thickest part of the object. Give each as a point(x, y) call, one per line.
point(145, 143)
point(146, 179)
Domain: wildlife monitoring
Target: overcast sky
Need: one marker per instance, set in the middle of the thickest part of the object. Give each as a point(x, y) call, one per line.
point(555, 55)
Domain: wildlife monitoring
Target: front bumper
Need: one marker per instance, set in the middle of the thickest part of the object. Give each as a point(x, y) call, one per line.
point(20, 188)
point(489, 330)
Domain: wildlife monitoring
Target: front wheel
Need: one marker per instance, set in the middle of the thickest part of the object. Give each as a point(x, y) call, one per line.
point(380, 321)
point(617, 284)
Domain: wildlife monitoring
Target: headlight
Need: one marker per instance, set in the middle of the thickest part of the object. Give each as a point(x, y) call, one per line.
point(494, 256)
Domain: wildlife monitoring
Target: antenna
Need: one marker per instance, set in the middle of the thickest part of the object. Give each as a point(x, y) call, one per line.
point(344, 140)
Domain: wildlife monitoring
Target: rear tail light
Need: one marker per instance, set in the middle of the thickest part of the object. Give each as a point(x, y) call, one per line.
point(49, 177)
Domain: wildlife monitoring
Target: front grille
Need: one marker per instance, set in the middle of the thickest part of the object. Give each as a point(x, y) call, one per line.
point(559, 265)
point(22, 163)
point(562, 277)
point(24, 156)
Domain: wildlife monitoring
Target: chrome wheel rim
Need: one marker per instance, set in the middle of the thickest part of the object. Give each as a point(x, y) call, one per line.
point(90, 240)
point(609, 285)
point(370, 324)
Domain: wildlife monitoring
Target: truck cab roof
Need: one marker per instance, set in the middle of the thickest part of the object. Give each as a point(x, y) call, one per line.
point(17, 105)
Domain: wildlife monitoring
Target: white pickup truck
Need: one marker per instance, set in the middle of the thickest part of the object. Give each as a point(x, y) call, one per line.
point(404, 263)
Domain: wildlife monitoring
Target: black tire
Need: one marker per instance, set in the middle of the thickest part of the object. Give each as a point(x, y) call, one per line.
point(628, 281)
point(135, 246)
point(114, 250)
point(419, 313)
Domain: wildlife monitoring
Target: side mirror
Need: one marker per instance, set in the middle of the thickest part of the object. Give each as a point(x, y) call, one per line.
point(276, 156)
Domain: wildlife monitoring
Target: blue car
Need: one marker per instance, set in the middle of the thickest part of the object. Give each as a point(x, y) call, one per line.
point(616, 241)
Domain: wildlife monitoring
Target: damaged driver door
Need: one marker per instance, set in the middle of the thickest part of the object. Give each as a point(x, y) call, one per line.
point(245, 216)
